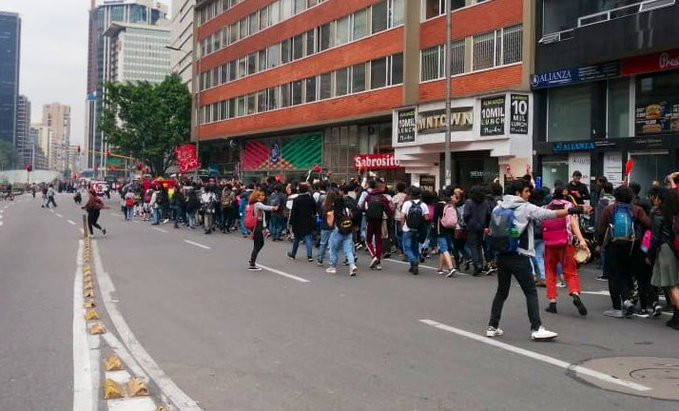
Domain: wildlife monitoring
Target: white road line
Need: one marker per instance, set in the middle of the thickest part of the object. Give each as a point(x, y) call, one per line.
point(1, 223)
point(199, 245)
point(51, 211)
point(537, 356)
point(160, 230)
point(420, 265)
point(281, 273)
point(83, 390)
point(170, 391)
point(71, 222)
point(605, 293)
point(136, 222)
point(59, 215)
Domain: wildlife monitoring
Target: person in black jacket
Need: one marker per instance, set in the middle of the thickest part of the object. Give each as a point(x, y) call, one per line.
point(303, 222)
point(477, 218)
point(578, 190)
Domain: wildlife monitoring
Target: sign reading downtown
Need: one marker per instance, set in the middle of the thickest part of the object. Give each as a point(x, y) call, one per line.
point(564, 77)
point(461, 119)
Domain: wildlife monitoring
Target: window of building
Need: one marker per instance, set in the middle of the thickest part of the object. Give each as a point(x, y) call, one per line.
point(360, 24)
point(261, 101)
point(378, 73)
point(252, 63)
point(242, 67)
point(358, 78)
point(232, 108)
point(434, 8)
point(457, 57)
point(380, 17)
point(233, 70)
point(241, 106)
point(225, 36)
point(261, 60)
point(273, 56)
point(657, 103)
point(431, 64)
point(275, 12)
point(342, 81)
point(223, 111)
point(254, 22)
point(233, 32)
point(300, 6)
point(263, 18)
point(512, 44)
point(326, 86)
point(225, 73)
point(272, 98)
point(396, 69)
point(285, 51)
point(252, 103)
point(310, 86)
point(618, 108)
point(396, 12)
point(342, 35)
point(285, 95)
point(243, 25)
point(297, 97)
point(569, 114)
point(298, 47)
point(215, 77)
point(310, 42)
point(484, 51)
point(326, 37)
point(286, 9)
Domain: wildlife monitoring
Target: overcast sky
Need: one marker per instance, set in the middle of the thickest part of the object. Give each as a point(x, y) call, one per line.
point(54, 55)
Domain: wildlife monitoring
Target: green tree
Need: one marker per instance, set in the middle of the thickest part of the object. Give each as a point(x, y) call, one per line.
point(8, 155)
point(147, 121)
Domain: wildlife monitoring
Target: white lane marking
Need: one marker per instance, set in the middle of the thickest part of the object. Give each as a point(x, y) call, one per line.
point(51, 211)
point(83, 390)
point(606, 293)
point(131, 404)
point(537, 356)
point(136, 222)
point(420, 265)
point(199, 245)
point(281, 273)
point(59, 215)
point(160, 230)
point(115, 214)
point(71, 222)
point(1, 223)
point(168, 388)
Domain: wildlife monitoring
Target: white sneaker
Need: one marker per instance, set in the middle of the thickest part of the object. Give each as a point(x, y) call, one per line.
point(493, 332)
point(353, 271)
point(331, 270)
point(543, 335)
point(374, 263)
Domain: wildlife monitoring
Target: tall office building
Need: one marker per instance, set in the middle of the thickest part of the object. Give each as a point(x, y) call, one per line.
point(100, 52)
point(139, 52)
point(57, 119)
point(10, 49)
point(181, 39)
point(37, 156)
point(23, 127)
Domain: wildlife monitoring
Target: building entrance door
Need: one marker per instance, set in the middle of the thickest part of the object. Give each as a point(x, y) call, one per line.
point(474, 169)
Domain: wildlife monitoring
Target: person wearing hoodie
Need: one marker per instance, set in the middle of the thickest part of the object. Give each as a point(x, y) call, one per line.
point(476, 217)
point(377, 205)
point(518, 263)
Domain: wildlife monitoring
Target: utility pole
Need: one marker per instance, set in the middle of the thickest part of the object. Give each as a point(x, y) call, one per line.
point(449, 90)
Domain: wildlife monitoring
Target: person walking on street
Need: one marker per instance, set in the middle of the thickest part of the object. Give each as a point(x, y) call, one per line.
point(414, 227)
point(50, 196)
point(254, 221)
point(340, 217)
point(326, 229)
point(303, 222)
point(130, 200)
point(476, 217)
point(511, 236)
point(377, 205)
point(445, 220)
point(93, 208)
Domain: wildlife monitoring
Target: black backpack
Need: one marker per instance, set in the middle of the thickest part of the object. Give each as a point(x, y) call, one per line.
point(415, 217)
point(375, 207)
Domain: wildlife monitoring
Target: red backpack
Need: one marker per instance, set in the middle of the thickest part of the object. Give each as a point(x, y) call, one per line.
point(555, 231)
point(250, 218)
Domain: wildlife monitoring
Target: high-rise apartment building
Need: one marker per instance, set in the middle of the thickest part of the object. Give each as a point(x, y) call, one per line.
point(349, 84)
point(139, 52)
point(57, 119)
point(100, 54)
point(10, 51)
point(181, 39)
point(37, 156)
point(23, 126)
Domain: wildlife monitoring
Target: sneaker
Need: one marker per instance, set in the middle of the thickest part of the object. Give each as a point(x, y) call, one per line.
point(440, 272)
point(540, 283)
point(103, 231)
point(452, 274)
point(628, 308)
point(254, 268)
point(331, 270)
point(561, 284)
point(657, 310)
point(346, 263)
point(491, 271)
point(353, 271)
point(551, 308)
point(415, 270)
point(581, 307)
point(602, 278)
point(319, 263)
point(643, 313)
point(541, 334)
point(289, 255)
point(614, 313)
point(310, 259)
point(493, 332)
point(374, 262)
point(378, 267)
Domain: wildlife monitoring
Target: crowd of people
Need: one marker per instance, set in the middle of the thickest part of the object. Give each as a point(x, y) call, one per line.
point(539, 236)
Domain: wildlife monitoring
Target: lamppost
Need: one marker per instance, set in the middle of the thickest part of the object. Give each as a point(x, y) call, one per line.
point(449, 90)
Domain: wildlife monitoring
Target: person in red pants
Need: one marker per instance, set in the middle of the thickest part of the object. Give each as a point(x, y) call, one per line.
point(560, 236)
point(377, 209)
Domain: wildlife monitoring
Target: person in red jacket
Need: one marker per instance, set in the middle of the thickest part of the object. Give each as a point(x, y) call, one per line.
point(93, 207)
point(377, 210)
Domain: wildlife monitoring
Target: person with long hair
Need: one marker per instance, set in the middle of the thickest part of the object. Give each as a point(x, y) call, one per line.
point(93, 207)
point(340, 217)
point(663, 251)
point(326, 229)
point(445, 217)
point(477, 219)
point(256, 201)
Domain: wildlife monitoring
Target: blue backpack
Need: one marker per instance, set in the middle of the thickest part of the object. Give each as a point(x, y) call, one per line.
point(504, 236)
point(623, 223)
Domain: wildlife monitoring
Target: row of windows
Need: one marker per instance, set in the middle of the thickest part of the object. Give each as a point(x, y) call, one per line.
point(379, 73)
point(379, 17)
point(279, 10)
point(349, 28)
point(435, 8)
point(493, 49)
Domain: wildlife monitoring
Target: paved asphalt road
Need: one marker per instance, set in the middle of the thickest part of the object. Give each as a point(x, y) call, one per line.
point(238, 340)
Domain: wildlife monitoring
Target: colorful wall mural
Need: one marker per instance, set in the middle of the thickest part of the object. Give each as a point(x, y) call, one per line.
point(290, 153)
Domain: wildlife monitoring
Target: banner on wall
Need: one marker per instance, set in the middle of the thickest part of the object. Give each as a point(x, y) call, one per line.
point(187, 158)
point(493, 116)
point(406, 126)
point(376, 162)
point(518, 123)
point(293, 153)
point(613, 167)
point(581, 162)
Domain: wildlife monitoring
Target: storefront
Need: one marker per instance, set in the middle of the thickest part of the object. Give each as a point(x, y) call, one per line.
point(598, 117)
point(489, 133)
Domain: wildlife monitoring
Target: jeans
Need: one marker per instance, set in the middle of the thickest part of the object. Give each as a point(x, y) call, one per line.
point(191, 217)
point(50, 199)
point(277, 226)
point(308, 240)
point(155, 216)
point(539, 263)
point(411, 246)
point(475, 242)
point(445, 243)
point(325, 242)
point(129, 213)
point(345, 241)
point(258, 242)
point(373, 239)
point(518, 266)
point(398, 229)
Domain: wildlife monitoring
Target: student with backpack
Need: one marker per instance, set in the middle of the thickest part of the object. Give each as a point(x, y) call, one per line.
point(511, 237)
point(445, 220)
point(254, 222)
point(340, 217)
point(618, 230)
point(414, 227)
point(560, 236)
point(377, 205)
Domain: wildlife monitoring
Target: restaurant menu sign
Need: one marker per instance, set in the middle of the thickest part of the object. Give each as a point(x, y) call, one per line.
point(518, 111)
point(406, 126)
point(461, 119)
point(493, 116)
point(657, 118)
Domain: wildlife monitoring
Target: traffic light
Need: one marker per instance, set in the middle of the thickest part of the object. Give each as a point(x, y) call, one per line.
point(78, 148)
point(29, 167)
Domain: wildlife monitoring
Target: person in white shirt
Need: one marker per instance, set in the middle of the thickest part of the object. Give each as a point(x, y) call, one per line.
point(414, 224)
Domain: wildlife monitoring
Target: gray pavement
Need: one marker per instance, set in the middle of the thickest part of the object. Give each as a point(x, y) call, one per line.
point(239, 340)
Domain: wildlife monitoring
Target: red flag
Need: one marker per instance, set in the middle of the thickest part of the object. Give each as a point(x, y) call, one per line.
point(187, 158)
point(629, 167)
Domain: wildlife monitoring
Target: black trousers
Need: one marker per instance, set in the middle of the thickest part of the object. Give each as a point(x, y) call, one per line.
point(475, 242)
point(258, 242)
point(620, 264)
point(516, 265)
point(92, 218)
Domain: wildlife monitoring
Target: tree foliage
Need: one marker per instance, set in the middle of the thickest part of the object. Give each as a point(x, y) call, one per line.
point(8, 155)
point(147, 121)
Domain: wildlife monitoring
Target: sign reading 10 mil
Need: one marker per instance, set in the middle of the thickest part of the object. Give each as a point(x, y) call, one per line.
point(493, 116)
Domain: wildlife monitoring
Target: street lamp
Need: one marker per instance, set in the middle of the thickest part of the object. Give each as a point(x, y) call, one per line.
point(448, 157)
